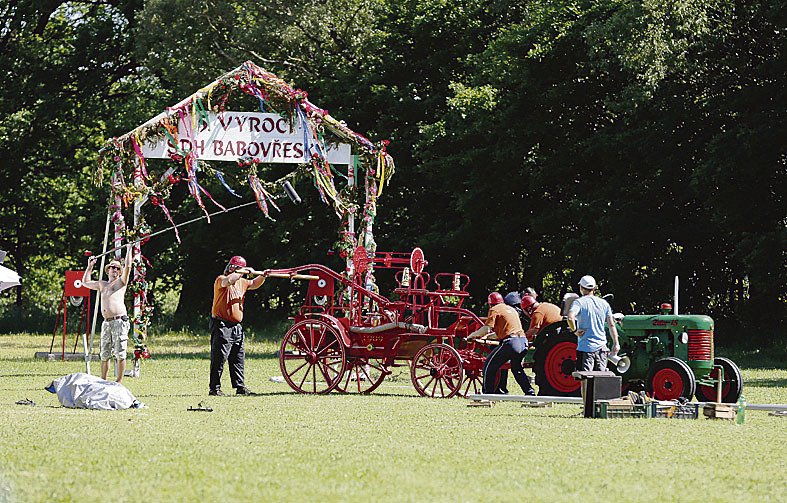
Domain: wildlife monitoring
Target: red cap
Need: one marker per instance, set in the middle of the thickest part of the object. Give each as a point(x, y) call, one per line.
point(666, 306)
point(495, 298)
point(237, 261)
point(528, 304)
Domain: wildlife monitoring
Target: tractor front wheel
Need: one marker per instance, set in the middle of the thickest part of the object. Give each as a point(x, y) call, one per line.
point(670, 379)
point(731, 386)
point(554, 362)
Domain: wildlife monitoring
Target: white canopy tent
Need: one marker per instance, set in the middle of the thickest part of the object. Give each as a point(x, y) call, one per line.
point(8, 278)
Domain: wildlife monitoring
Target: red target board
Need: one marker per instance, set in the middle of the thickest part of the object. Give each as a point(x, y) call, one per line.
point(74, 287)
point(321, 287)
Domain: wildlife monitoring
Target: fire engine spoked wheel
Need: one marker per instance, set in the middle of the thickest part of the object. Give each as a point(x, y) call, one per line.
point(363, 375)
point(312, 357)
point(436, 371)
point(731, 387)
point(554, 362)
point(473, 358)
point(670, 379)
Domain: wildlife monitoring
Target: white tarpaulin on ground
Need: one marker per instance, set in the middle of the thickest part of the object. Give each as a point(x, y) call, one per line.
point(8, 278)
point(85, 391)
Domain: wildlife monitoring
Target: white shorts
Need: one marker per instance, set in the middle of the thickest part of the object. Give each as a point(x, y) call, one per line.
point(114, 336)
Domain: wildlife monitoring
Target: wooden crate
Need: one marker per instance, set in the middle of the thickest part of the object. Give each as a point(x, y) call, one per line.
point(719, 411)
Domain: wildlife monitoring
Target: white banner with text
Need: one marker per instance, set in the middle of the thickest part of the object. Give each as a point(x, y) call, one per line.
point(233, 135)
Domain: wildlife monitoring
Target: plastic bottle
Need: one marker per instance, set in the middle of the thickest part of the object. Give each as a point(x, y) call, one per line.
point(741, 415)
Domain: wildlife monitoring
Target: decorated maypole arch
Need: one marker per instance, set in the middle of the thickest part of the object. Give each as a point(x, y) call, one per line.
point(202, 129)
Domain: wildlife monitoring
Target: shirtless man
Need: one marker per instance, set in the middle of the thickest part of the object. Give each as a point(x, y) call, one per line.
point(114, 329)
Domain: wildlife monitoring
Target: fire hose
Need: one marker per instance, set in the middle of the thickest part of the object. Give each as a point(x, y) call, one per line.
point(412, 327)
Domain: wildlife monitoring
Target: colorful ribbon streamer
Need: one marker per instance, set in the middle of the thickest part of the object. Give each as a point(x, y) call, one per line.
point(261, 195)
point(220, 176)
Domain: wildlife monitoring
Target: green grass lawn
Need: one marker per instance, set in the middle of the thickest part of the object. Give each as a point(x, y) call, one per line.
point(388, 446)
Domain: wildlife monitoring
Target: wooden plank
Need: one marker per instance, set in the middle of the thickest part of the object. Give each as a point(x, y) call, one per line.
point(69, 357)
point(527, 398)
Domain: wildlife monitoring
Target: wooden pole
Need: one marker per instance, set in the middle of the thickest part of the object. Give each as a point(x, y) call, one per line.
point(89, 346)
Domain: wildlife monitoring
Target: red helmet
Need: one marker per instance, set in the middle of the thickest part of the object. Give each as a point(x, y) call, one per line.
point(236, 261)
point(495, 298)
point(528, 304)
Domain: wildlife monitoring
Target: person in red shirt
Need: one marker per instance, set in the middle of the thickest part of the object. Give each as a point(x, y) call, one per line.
point(503, 321)
point(226, 331)
point(541, 314)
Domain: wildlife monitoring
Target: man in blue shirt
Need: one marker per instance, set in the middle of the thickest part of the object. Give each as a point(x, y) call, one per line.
point(588, 314)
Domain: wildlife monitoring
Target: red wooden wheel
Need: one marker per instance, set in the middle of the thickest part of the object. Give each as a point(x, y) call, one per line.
point(312, 357)
point(363, 375)
point(473, 369)
point(731, 387)
point(670, 379)
point(436, 371)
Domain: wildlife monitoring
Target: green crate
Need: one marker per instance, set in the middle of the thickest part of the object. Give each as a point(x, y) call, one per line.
point(604, 410)
point(684, 411)
point(650, 410)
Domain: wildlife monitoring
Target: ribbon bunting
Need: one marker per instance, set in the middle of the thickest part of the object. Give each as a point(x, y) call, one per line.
point(192, 184)
point(305, 127)
point(157, 200)
point(200, 114)
point(220, 176)
point(135, 142)
point(262, 196)
point(252, 89)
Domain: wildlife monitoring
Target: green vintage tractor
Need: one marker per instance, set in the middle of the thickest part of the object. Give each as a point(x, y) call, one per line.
point(669, 356)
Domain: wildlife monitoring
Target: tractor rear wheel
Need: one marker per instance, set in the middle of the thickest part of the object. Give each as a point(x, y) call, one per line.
point(437, 371)
point(670, 379)
point(312, 357)
point(363, 375)
point(731, 387)
point(554, 362)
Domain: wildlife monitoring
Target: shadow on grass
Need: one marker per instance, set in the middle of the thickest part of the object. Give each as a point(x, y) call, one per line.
point(766, 383)
point(228, 396)
point(755, 358)
point(31, 375)
point(206, 356)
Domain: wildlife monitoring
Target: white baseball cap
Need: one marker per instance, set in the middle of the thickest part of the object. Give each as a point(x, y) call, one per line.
point(588, 282)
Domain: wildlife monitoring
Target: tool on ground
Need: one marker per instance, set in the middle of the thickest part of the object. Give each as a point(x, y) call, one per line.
point(200, 408)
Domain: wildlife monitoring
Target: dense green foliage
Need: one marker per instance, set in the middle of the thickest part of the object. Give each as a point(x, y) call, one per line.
point(535, 141)
point(387, 446)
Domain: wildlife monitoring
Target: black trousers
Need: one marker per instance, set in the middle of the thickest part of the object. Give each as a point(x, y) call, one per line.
point(226, 344)
point(512, 349)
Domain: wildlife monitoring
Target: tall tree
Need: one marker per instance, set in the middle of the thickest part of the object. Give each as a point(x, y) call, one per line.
point(66, 64)
point(604, 131)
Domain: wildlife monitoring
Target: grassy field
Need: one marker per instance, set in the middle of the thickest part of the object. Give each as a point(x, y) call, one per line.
point(388, 446)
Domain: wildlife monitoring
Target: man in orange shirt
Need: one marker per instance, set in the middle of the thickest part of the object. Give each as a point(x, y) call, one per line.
point(503, 321)
point(541, 314)
point(226, 332)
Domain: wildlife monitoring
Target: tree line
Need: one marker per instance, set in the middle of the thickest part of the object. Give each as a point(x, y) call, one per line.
point(535, 142)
